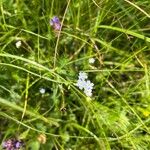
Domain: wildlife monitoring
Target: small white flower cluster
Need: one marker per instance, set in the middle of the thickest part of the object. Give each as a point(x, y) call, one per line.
point(84, 84)
point(42, 90)
point(91, 60)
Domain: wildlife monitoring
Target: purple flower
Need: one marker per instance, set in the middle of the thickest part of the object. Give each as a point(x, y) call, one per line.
point(54, 20)
point(12, 144)
point(8, 145)
point(18, 144)
point(55, 23)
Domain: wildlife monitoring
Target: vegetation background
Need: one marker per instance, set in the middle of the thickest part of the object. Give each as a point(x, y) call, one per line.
point(116, 33)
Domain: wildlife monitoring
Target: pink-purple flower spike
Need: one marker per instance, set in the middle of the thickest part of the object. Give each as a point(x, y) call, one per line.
point(55, 23)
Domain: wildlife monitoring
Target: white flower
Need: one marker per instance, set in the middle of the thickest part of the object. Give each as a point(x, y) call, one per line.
point(42, 90)
point(82, 75)
point(91, 60)
point(88, 92)
point(18, 44)
point(81, 84)
point(89, 85)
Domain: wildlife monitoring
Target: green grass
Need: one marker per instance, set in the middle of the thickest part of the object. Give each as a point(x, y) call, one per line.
point(116, 34)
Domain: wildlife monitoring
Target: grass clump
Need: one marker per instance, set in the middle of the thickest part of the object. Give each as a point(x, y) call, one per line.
point(41, 106)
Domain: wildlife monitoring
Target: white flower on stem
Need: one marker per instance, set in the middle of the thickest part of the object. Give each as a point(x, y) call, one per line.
point(91, 60)
point(18, 44)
